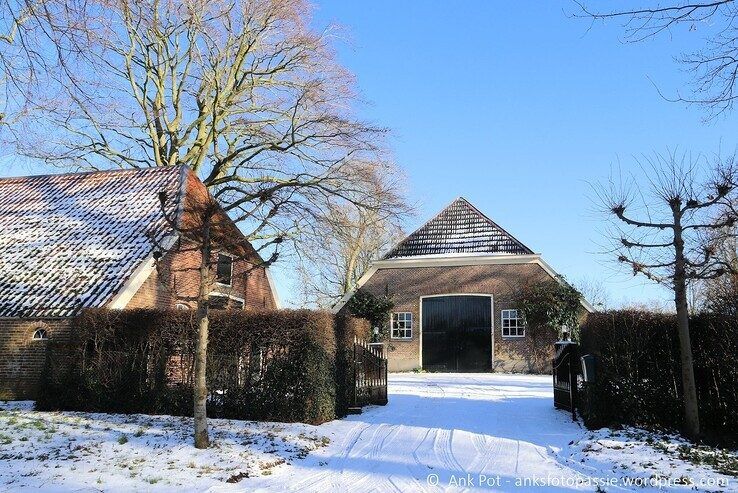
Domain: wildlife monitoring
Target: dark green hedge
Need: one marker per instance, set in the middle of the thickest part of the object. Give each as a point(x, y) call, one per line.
point(271, 365)
point(639, 371)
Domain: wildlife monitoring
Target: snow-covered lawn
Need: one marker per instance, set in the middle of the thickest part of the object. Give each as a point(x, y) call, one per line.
point(62, 452)
point(478, 432)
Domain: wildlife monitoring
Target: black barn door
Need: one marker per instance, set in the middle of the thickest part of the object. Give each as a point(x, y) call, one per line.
point(457, 333)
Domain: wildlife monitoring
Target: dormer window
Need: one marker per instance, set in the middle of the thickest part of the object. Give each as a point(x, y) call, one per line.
point(224, 269)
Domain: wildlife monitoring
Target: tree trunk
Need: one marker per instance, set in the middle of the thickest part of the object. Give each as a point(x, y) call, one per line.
point(202, 439)
point(689, 388)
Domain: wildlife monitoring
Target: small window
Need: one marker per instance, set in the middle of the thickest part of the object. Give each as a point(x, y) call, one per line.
point(402, 325)
point(513, 324)
point(181, 306)
point(40, 335)
point(224, 269)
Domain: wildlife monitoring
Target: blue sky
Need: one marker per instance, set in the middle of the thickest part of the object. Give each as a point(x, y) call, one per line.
point(518, 107)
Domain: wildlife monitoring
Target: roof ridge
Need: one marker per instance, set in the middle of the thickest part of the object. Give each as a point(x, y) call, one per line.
point(95, 172)
point(496, 239)
point(399, 243)
point(485, 216)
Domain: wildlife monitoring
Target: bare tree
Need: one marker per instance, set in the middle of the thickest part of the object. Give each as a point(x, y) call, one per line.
point(714, 66)
point(594, 291)
point(244, 92)
point(352, 239)
point(660, 230)
point(204, 227)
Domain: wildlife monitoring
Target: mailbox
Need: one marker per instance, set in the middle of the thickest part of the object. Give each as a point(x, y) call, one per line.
point(589, 368)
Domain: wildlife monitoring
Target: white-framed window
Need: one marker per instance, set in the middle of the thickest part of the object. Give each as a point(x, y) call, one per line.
point(402, 325)
point(40, 335)
point(513, 324)
point(224, 269)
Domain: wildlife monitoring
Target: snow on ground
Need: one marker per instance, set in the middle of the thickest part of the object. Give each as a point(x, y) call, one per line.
point(639, 457)
point(63, 452)
point(440, 432)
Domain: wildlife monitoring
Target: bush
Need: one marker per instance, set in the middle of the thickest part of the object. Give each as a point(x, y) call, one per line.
point(639, 371)
point(375, 309)
point(272, 365)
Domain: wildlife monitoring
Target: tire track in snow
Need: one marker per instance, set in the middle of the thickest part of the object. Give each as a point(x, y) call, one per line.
point(349, 443)
point(376, 446)
point(485, 452)
point(417, 471)
point(443, 447)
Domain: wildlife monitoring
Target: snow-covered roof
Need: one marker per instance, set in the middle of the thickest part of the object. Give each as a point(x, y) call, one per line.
point(72, 240)
point(460, 228)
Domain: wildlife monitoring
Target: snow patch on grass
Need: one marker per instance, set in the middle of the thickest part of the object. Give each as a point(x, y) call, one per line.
point(653, 459)
point(67, 451)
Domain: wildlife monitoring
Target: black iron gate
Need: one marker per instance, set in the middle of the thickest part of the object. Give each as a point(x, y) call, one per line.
point(370, 376)
point(565, 371)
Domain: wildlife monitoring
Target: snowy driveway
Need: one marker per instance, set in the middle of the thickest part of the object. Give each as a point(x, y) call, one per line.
point(439, 432)
point(441, 428)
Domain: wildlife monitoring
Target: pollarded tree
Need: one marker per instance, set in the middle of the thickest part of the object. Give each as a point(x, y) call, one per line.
point(661, 229)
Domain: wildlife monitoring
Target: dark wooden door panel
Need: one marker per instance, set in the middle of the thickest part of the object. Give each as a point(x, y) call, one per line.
point(457, 333)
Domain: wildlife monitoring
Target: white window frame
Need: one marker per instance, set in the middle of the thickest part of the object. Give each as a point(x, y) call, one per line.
point(520, 323)
point(231, 297)
point(407, 318)
point(43, 332)
point(216, 269)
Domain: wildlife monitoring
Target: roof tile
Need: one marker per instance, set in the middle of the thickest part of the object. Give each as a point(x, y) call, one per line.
point(460, 228)
point(71, 241)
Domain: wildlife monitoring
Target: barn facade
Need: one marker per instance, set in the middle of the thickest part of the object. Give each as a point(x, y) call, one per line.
point(456, 285)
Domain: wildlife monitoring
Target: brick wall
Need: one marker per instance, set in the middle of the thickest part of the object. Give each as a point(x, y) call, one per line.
point(529, 354)
point(21, 357)
point(180, 280)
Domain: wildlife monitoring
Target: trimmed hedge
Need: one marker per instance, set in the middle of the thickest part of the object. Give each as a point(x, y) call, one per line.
point(639, 372)
point(271, 365)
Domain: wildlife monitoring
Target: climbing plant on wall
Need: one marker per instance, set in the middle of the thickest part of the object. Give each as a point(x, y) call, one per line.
point(552, 304)
point(376, 309)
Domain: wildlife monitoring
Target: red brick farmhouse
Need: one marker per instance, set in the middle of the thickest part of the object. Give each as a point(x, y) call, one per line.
point(74, 241)
point(456, 285)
